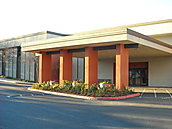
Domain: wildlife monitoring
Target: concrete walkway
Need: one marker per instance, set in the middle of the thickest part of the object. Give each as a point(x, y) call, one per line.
point(6, 80)
point(152, 89)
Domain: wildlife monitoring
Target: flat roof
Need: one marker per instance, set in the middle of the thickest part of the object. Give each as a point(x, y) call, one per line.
point(126, 26)
point(33, 34)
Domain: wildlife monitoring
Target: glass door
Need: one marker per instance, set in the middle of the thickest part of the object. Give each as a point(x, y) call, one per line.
point(138, 77)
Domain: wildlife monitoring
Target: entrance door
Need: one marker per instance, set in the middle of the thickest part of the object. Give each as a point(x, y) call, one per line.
point(138, 73)
point(138, 77)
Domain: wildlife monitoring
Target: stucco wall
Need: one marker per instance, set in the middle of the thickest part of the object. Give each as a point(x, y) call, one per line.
point(159, 70)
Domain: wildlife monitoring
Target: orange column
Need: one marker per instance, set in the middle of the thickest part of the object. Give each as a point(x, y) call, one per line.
point(91, 66)
point(65, 66)
point(44, 67)
point(121, 67)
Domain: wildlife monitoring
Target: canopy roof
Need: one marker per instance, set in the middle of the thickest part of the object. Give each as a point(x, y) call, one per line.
point(100, 38)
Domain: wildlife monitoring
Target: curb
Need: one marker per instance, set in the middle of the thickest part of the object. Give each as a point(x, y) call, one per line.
point(85, 97)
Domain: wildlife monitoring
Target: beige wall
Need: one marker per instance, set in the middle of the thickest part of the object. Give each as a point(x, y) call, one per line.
point(160, 70)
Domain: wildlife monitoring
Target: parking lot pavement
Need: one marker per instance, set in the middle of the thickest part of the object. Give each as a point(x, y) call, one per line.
point(42, 111)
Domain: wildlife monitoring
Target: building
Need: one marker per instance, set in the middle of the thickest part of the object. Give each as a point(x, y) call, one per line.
point(135, 55)
point(17, 64)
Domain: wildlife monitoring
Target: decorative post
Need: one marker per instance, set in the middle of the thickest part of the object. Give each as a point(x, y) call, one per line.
point(65, 66)
point(122, 63)
point(91, 66)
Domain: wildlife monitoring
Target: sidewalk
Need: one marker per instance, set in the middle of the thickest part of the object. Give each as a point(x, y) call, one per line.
point(14, 81)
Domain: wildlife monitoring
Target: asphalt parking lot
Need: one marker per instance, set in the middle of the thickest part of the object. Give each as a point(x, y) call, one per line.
point(23, 109)
point(149, 95)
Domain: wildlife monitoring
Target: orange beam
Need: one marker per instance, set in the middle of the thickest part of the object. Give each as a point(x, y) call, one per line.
point(122, 63)
point(91, 66)
point(65, 66)
point(44, 67)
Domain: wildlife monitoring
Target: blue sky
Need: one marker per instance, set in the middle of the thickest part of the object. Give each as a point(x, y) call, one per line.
point(20, 17)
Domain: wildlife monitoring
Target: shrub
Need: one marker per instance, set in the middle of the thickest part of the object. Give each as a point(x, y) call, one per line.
point(80, 88)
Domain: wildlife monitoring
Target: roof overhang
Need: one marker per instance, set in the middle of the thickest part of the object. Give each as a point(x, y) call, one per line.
point(103, 38)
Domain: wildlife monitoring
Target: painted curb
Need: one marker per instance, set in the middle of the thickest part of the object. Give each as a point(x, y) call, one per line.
point(119, 98)
point(85, 97)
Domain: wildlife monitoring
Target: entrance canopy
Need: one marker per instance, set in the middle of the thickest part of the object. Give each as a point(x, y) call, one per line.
point(99, 38)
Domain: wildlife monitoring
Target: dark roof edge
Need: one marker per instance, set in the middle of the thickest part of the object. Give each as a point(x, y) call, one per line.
point(33, 34)
point(50, 32)
point(129, 31)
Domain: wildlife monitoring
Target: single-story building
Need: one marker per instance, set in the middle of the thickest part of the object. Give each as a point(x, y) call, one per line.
point(130, 55)
point(17, 64)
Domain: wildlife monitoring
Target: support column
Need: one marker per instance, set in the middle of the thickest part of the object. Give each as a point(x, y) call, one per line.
point(44, 67)
point(65, 66)
point(91, 66)
point(122, 64)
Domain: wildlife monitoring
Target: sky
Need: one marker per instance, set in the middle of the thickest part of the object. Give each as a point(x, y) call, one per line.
point(21, 17)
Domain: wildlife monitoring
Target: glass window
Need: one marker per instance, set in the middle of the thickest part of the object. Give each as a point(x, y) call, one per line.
point(32, 67)
point(14, 63)
point(23, 62)
point(1, 54)
point(10, 63)
point(78, 69)
point(6, 62)
point(27, 68)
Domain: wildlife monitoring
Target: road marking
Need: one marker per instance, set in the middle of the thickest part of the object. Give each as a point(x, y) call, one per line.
point(155, 93)
point(166, 98)
point(157, 97)
point(22, 95)
point(142, 94)
point(169, 93)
